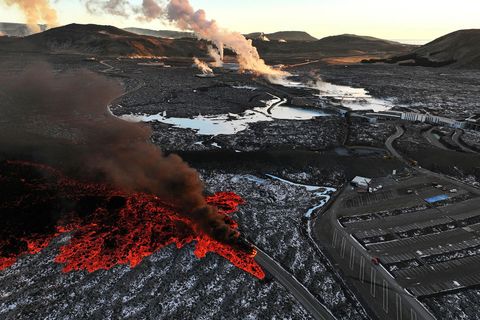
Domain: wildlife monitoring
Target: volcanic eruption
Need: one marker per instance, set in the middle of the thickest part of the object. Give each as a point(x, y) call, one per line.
point(63, 120)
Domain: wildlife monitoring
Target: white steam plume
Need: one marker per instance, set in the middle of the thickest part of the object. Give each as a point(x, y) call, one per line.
point(217, 55)
point(36, 11)
point(182, 14)
point(202, 66)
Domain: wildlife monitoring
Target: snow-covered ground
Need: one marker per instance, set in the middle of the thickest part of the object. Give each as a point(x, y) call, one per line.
point(272, 219)
point(173, 284)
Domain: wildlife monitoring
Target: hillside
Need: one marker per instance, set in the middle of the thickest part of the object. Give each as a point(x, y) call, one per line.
point(104, 41)
point(362, 43)
point(282, 36)
point(342, 45)
point(169, 34)
point(458, 49)
point(111, 41)
point(461, 47)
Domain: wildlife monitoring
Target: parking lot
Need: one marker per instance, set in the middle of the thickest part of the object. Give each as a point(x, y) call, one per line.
point(424, 232)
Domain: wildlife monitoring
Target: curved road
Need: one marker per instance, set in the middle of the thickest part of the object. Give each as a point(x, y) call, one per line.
point(396, 154)
point(456, 138)
point(430, 137)
point(316, 309)
point(391, 140)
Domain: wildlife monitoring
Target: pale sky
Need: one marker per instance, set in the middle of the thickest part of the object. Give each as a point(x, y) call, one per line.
point(389, 19)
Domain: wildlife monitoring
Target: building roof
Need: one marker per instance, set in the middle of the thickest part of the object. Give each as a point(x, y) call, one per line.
point(361, 180)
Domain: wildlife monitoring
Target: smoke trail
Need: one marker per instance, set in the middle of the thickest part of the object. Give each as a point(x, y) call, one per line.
point(36, 11)
point(63, 120)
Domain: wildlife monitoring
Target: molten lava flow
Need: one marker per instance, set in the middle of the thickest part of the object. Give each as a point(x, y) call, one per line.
point(109, 227)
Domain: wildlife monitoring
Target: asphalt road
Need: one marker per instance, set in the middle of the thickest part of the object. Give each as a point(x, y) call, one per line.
point(389, 145)
point(316, 309)
point(391, 140)
point(456, 138)
point(376, 286)
point(328, 228)
point(430, 137)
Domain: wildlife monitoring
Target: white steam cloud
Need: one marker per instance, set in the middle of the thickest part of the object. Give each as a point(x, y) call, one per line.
point(35, 12)
point(181, 14)
point(178, 12)
point(202, 66)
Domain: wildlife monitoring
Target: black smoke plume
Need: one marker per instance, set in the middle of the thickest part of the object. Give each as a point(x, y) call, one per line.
point(63, 119)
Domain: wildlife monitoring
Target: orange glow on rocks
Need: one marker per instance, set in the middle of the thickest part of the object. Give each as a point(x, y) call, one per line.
point(110, 227)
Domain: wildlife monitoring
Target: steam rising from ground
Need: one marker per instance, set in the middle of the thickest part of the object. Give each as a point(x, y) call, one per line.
point(217, 55)
point(182, 14)
point(178, 12)
point(63, 119)
point(202, 66)
point(184, 17)
point(36, 12)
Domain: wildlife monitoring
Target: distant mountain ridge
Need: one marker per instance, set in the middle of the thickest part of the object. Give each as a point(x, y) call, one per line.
point(103, 40)
point(282, 35)
point(340, 45)
point(110, 41)
point(161, 33)
point(459, 49)
point(356, 42)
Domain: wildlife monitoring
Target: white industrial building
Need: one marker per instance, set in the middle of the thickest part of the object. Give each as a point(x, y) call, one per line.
point(419, 117)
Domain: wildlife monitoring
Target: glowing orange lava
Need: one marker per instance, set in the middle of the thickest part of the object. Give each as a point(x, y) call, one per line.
point(119, 228)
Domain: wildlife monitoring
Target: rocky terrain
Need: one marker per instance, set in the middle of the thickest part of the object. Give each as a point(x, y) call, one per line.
point(175, 284)
point(362, 133)
point(456, 49)
point(460, 305)
point(445, 92)
point(104, 41)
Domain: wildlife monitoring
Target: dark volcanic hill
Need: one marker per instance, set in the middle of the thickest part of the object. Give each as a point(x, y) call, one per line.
point(459, 49)
point(282, 35)
point(291, 36)
point(113, 42)
point(161, 33)
point(342, 45)
point(104, 41)
point(360, 43)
